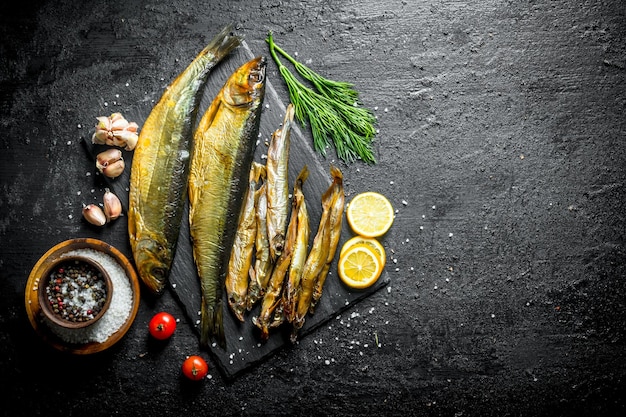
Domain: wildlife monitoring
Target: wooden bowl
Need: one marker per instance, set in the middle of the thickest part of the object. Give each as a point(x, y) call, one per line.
point(44, 328)
point(69, 313)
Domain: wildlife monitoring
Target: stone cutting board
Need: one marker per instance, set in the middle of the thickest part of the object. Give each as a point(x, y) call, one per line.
point(244, 348)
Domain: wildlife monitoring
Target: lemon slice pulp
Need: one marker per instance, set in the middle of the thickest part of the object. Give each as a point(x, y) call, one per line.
point(370, 214)
point(359, 266)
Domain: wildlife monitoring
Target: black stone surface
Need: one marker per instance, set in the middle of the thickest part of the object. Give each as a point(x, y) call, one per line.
point(501, 145)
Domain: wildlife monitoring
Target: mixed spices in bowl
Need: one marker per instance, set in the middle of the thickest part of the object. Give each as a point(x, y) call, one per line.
point(76, 292)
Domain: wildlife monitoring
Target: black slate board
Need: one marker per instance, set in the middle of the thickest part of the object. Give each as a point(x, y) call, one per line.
point(244, 348)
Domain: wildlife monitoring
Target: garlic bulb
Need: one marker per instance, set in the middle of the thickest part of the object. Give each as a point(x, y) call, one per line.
point(115, 130)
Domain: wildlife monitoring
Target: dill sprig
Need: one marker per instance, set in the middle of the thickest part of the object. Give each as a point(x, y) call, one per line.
point(332, 111)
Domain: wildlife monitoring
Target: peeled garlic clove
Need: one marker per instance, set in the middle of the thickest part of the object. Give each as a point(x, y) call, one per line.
point(94, 215)
point(104, 159)
point(114, 169)
point(112, 205)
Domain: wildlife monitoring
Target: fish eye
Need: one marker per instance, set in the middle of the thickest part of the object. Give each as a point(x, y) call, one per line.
point(158, 272)
point(256, 76)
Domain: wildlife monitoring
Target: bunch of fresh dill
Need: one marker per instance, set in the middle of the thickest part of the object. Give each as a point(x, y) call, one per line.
point(331, 109)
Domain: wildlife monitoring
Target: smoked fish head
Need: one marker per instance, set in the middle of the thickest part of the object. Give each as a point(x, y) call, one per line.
point(247, 84)
point(153, 260)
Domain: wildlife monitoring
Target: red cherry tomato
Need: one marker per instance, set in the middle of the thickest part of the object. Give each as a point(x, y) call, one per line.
point(162, 325)
point(195, 368)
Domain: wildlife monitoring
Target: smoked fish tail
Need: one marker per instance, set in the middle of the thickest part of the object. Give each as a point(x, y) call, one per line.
point(160, 166)
point(212, 314)
point(223, 151)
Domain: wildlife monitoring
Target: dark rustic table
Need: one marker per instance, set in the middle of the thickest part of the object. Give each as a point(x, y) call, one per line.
point(501, 144)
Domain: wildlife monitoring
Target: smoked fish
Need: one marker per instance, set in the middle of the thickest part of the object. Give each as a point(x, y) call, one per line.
point(300, 251)
point(160, 168)
point(271, 314)
point(315, 262)
point(278, 184)
point(224, 145)
point(237, 277)
point(335, 219)
point(260, 274)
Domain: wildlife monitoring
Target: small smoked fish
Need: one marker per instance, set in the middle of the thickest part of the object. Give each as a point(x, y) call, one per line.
point(278, 184)
point(158, 178)
point(335, 219)
point(314, 264)
point(260, 274)
point(240, 262)
point(300, 251)
point(224, 146)
point(271, 305)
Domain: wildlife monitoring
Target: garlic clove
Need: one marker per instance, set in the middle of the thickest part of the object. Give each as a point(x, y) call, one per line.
point(131, 142)
point(116, 116)
point(100, 137)
point(119, 124)
point(104, 123)
point(128, 138)
point(112, 205)
point(94, 215)
point(105, 158)
point(114, 169)
point(133, 127)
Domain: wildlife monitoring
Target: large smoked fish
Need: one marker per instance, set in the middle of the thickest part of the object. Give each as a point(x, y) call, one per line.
point(224, 145)
point(160, 169)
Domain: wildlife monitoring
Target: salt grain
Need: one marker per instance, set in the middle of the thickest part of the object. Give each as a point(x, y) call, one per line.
point(118, 311)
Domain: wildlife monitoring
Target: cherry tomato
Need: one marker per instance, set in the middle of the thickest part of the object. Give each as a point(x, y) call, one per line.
point(195, 368)
point(162, 325)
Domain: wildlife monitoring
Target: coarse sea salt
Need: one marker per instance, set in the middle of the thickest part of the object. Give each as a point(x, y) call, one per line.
point(118, 311)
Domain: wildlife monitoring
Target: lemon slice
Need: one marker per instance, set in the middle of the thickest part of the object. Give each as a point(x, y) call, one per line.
point(371, 242)
point(359, 266)
point(370, 214)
